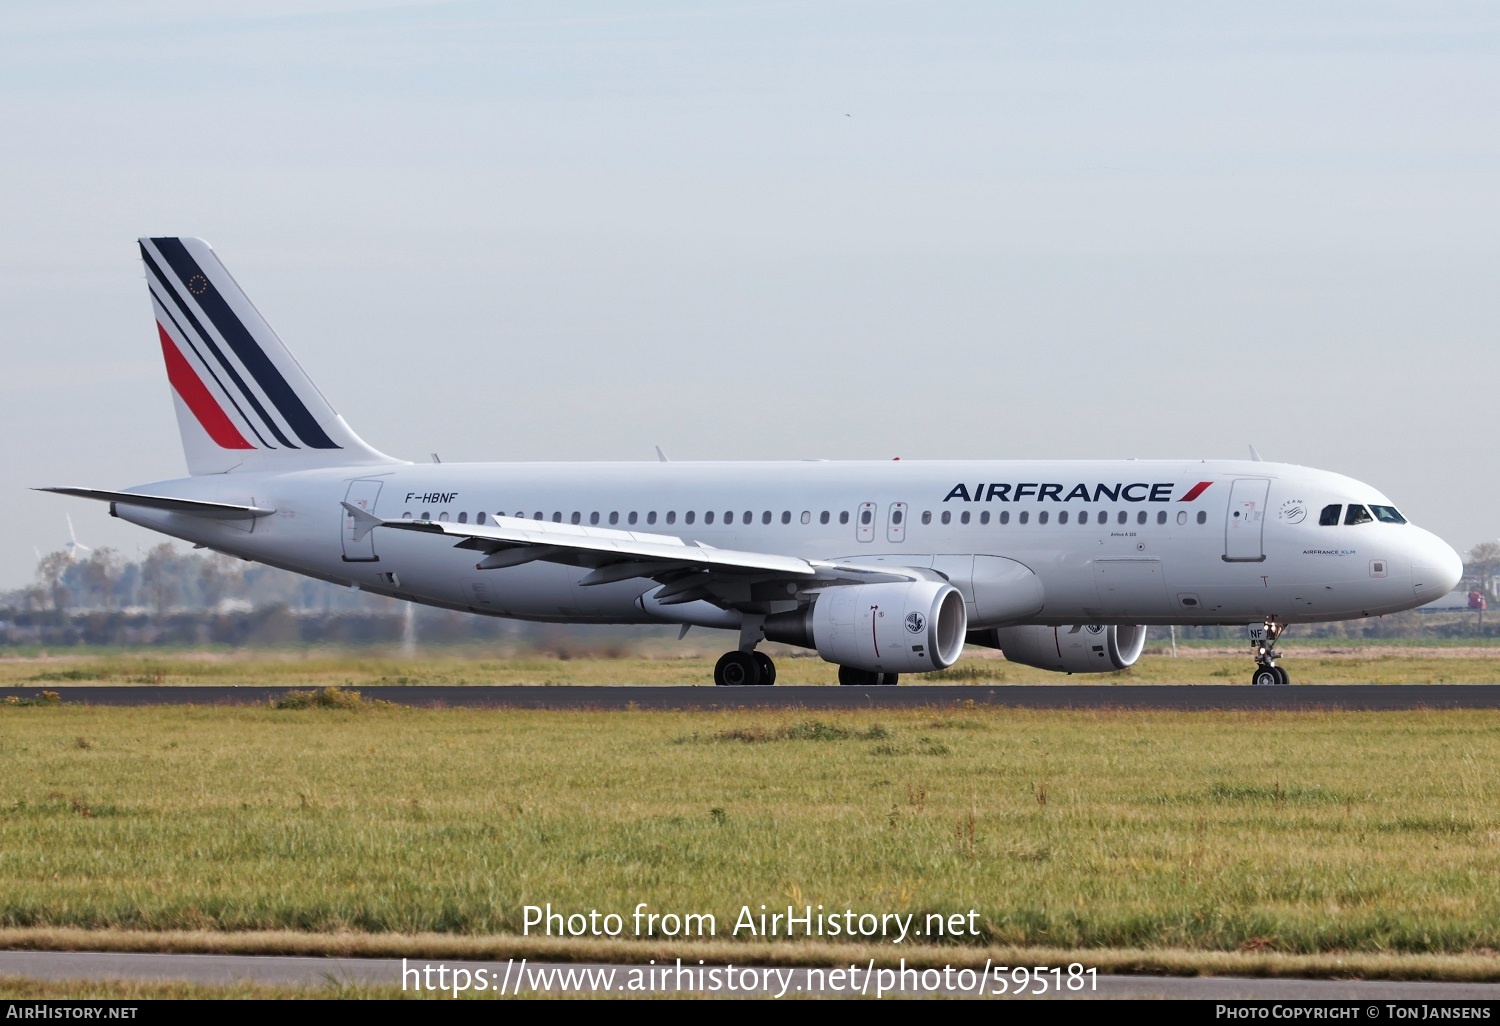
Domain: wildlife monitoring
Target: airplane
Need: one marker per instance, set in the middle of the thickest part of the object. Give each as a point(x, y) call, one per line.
point(881, 567)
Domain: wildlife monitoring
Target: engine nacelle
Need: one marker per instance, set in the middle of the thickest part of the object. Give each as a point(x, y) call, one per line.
point(1077, 649)
point(901, 627)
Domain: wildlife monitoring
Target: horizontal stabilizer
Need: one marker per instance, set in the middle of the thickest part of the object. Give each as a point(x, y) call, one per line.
point(193, 507)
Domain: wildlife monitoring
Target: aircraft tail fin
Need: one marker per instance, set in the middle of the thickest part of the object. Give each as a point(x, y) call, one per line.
point(243, 402)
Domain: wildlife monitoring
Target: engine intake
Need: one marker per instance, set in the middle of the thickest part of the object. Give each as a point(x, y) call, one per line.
point(905, 627)
point(1076, 649)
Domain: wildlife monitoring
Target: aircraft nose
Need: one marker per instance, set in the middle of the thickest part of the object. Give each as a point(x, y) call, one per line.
point(1435, 567)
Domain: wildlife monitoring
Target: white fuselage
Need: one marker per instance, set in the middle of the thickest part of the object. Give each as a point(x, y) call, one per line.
point(1122, 542)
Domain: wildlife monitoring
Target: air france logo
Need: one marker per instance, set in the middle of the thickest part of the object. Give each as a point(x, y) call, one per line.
point(1044, 491)
point(915, 622)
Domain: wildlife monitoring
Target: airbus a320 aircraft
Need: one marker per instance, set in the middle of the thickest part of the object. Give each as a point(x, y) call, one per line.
point(883, 568)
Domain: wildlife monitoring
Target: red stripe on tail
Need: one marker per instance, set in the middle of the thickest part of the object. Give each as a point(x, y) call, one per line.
point(198, 398)
point(1195, 491)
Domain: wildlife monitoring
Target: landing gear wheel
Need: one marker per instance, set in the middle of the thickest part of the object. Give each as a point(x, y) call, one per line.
point(1263, 646)
point(848, 675)
point(890, 679)
point(737, 669)
point(766, 667)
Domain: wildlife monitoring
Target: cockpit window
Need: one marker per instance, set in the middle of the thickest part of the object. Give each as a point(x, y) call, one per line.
point(1357, 515)
point(1330, 515)
point(1387, 515)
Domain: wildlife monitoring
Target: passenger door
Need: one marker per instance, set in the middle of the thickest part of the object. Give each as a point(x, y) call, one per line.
point(362, 494)
point(1245, 521)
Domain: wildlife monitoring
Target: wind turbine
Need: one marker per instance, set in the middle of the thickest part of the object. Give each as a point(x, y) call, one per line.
point(74, 547)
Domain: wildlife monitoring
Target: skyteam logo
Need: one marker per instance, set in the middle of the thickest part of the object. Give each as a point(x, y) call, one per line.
point(915, 622)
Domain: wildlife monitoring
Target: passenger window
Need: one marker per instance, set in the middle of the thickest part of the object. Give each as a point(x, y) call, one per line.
point(927, 516)
point(1161, 516)
point(984, 517)
point(708, 517)
point(748, 518)
point(1041, 517)
point(1357, 515)
point(844, 517)
point(426, 515)
point(963, 518)
point(651, 517)
point(539, 515)
point(632, 518)
point(786, 516)
point(671, 516)
point(576, 518)
point(1202, 517)
point(556, 517)
point(443, 516)
point(947, 516)
point(1387, 515)
point(1330, 515)
point(687, 518)
point(1005, 516)
point(1025, 516)
point(593, 518)
point(1181, 516)
point(729, 516)
point(406, 515)
point(1140, 517)
point(823, 517)
point(865, 516)
point(1083, 517)
point(807, 517)
point(765, 517)
point(463, 518)
point(1125, 517)
point(1062, 517)
point(614, 517)
point(480, 518)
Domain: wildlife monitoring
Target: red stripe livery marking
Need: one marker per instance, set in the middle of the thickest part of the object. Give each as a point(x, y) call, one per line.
point(1195, 491)
point(198, 398)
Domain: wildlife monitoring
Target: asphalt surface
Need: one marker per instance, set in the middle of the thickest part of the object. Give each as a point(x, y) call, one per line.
point(532, 977)
point(1040, 696)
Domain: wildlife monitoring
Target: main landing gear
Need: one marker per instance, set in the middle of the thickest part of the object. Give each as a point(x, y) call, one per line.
point(744, 669)
point(1263, 642)
point(865, 678)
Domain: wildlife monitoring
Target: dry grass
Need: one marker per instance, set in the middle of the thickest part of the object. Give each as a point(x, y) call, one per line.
point(1309, 663)
point(1285, 834)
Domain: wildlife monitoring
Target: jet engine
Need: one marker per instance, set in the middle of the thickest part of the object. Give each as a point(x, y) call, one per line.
point(900, 627)
point(1077, 649)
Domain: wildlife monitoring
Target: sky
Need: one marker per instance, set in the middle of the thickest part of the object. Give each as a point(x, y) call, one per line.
point(948, 230)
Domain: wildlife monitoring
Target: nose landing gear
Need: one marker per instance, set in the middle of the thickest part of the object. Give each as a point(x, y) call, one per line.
point(1263, 642)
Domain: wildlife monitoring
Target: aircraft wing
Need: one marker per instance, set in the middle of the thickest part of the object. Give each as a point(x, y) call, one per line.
point(691, 569)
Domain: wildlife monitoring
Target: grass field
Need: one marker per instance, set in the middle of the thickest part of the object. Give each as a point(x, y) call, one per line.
point(1310, 664)
point(1267, 834)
